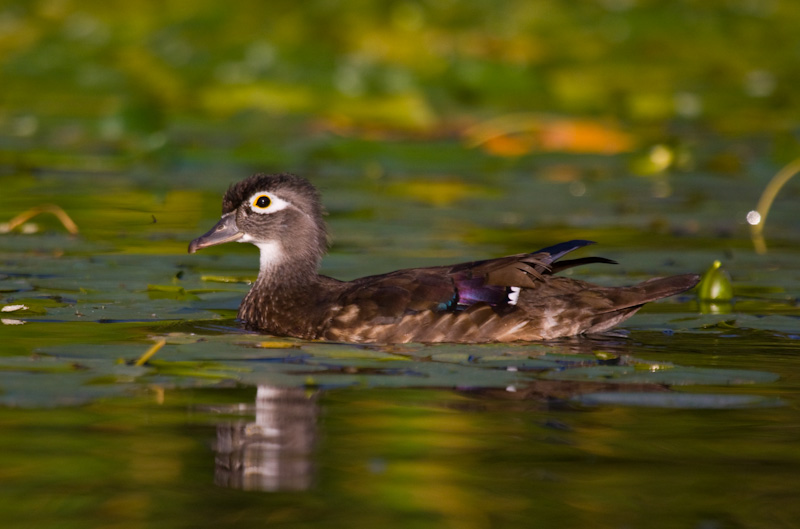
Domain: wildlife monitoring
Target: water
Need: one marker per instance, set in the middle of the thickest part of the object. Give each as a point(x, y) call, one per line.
point(685, 419)
point(507, 139)
point(398, 457)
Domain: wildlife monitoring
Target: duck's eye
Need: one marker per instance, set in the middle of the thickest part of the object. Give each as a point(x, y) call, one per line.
point(262, 202)
point(265, 203)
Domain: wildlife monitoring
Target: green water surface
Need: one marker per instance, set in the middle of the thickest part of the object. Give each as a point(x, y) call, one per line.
point(651, 128)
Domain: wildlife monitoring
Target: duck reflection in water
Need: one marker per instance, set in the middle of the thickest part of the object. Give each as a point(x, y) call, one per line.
point(277, 451)
point(274, 453)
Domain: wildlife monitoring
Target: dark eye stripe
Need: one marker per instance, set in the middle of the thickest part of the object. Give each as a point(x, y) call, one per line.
point(263, 202)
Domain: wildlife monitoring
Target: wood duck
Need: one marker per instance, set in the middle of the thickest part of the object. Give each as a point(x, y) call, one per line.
point(513, 298)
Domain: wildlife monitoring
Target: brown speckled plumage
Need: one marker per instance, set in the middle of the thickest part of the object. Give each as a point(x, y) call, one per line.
point(507, 299)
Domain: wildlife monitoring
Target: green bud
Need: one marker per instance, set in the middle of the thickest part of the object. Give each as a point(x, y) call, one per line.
point(715, 285)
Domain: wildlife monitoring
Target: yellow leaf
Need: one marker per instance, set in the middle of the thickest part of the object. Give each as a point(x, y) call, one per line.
point(519, 134)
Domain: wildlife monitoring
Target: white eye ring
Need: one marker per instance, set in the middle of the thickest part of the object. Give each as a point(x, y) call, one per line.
point(271, 204)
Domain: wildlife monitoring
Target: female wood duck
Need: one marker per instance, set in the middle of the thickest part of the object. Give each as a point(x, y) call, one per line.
point(508, 299)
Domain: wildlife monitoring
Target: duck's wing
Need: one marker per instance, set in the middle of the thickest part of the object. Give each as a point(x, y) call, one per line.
point(471, 295)
point(494, 280)
point(499, 300)
point(450, 288)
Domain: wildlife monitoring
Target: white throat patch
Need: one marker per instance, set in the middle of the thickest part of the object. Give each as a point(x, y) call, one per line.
point(271, 253)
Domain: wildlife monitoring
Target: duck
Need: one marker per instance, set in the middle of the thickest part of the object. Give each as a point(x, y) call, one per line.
point(516, 298)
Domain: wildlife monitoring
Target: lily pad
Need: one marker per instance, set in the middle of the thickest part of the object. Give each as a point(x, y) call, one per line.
point(676, 376)
point(678, 400)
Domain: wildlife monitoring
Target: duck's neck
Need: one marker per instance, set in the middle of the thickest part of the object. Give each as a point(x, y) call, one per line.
point(283, 294)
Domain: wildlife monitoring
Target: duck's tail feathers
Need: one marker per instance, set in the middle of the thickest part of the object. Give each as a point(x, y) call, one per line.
point(663, 287)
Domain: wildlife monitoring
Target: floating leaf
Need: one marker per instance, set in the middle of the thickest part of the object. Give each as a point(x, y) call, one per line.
point(677, 400)
point(13, 308)
point(605, 356)
point(166, 288)
point(675, 376)
point(278, 345)
point(193, 369)
point(654, 161)
point(437, 192)
point(169, 292)
point(226, 279)
point(518, 134)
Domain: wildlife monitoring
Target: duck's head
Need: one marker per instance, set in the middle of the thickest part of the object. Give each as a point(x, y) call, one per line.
point(279, 213)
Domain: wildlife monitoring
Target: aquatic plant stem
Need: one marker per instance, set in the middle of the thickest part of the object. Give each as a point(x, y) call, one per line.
point(25, 216)
point(765, 203)
point(149, 353)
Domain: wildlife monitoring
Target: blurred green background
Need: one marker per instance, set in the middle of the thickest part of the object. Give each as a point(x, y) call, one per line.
point(99, 85)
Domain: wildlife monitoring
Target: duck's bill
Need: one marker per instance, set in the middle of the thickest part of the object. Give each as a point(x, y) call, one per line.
point(223, 231)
